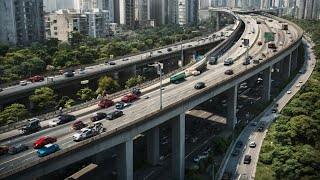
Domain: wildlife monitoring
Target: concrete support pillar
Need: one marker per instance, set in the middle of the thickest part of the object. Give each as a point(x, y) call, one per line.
point(1, 107)
point(178, 147)
point(294, 60)
point(232, 107)
point(218, 21)
point(251, 81)
point(286, 67)
point(180, 63)
point(116, 75)
point(125, 160)
point(134, 70)
point(153, 145)
point(266, 84)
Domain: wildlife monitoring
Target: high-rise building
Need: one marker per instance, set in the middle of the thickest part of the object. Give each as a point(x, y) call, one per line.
point(159, 11)
point(22, 21)
point(124, 12)
point(193, 11)
point(142, 12)
point(204, 4)
point(308, 9)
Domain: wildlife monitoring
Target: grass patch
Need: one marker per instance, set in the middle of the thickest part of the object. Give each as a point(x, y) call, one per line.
point(264, 172)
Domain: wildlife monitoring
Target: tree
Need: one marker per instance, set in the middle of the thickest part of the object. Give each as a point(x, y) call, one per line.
point(13, 113)
point(44, 98)
point(139, 79)
point(131, 82)
point(107, 85)
point(69, 103)
point(85, 94)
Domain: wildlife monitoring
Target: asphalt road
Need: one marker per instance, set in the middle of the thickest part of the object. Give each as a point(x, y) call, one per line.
point(142, 107)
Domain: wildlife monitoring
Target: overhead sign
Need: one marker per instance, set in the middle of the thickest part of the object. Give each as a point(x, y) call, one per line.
point(269, 36)
point(246, 42)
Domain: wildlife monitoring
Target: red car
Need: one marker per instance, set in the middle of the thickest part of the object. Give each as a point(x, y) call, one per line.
point(36, 78)
point(44, 141)
point(228, 72)
point(129, 98)
point(105, 103)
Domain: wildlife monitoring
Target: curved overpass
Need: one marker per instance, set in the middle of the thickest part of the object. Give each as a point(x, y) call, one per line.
point(145, 113)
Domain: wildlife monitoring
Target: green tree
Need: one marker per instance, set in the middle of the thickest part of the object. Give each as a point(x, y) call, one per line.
point(44, 98)
point(13, 113)
point(86, 94)
point(69, 103)
point(107, 85)
point(139, 79)
point(131, 82)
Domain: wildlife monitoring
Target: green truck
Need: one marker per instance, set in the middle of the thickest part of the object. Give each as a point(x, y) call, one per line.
point(177, 78)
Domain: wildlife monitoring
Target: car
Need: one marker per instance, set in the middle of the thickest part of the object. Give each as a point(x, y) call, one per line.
point(239, 144)
point(98, 116)
point(297, 85)
point(256, 61)
point(129, 98)
point(261, 127)
point(289, 91)
point(105, 103)
point(36, 78)
point(274, 50)
point(213, 60)
point(114, 115)
point(1, 89)
point(44, 141)
point(136, 91)
point(4, 149)
point(121, 105)
point(259, 43)
point(274, 110)
point(252, 144)
point(203, 156)
point(246, 63)
point(84, 133)
point(69, 74)
point(228, 62)
point(247, 159)
point(189, 45)
point(112, 63)
point(17, 149)
point(48, 149)
point(125, 59)
point(65, 118)
point(226, 176)
point(253, 123)
point(81, 71)
point(23, 83)
point(300, 81)
point(78, 125)
point(199, 85)
point(240, 45)
point(195, 73)
point(228, 72)
point(159, 51)
point(235, 152)
point(169, 49)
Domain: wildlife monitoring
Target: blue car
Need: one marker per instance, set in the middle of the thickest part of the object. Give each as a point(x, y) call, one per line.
point(48, 149)
point(122, 105)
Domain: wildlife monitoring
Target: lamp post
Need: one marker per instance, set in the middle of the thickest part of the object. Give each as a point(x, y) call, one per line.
point(159, 67)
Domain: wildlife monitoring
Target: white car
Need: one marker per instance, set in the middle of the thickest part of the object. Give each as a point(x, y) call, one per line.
point(298, 85)
point(197, 159)
point(300, 81)
point(252, 144)
point(23, 83)
point(195, 73)
point(289, 92)
point(54, 123)
point(84, 133)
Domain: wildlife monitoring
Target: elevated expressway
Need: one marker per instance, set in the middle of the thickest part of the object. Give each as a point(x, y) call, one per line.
point(145, 115)
point(131, 65)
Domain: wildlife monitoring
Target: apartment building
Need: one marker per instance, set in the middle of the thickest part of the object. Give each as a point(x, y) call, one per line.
point(22, 22)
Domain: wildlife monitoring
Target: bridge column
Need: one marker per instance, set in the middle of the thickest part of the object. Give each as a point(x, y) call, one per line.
point(232, 107)
point(153, 145)
point(266, 86)
point(252, 81)
point(125, 160)
point(116, 75)
point(1, 107)
point(134, 70)
point(178, 147)
point(294, 59)
point(218, 21)
point(286, 67)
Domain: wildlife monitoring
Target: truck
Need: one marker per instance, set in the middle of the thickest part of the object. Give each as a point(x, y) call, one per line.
point(32, 125)
point(284, 26)
point(177, 78)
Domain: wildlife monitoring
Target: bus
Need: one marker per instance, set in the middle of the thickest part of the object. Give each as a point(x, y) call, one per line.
point(177, 78)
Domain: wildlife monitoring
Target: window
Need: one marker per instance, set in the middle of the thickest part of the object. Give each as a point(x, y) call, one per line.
point(55, 28)
point(56, 33)
point(54, 21)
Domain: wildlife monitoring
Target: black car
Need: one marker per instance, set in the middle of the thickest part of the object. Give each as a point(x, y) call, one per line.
point(199, 85)
point(98, 116)
point(66, 118)
point(17, 149)
point(1, 89)
point(239, 144)
point(112, 63)
point(256, 61)
point(235, 152)
point(246, 63)
point(114, 115)
point(136, 91)
point(247, 159)
point(69, 74)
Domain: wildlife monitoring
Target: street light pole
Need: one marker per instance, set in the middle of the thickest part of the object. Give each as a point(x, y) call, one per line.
point(160, 70)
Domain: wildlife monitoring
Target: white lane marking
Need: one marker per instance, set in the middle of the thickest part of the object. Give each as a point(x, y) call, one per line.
point(27, 159)
point(67, 142)
point(18, 157)
point(148, 175)
point(2, 168)
point(196, 149)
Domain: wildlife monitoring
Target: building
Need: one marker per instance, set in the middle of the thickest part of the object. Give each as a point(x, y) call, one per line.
point(308, 9)
point(53, 5)
point(142, 12)
point(62, 23)
point(124, 12)
point(193, 11)
point(159, 12)
point(22, 22)
point(204, 4)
